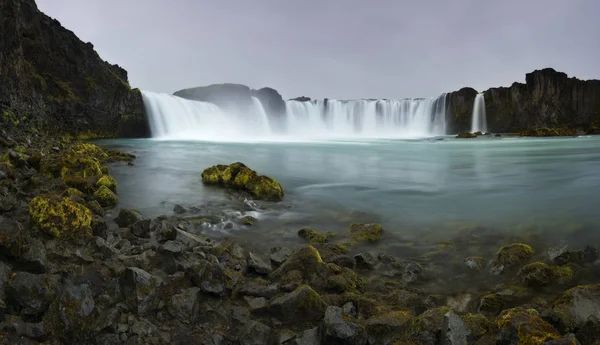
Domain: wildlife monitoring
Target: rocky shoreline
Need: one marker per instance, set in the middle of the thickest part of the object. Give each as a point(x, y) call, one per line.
point(74, 270)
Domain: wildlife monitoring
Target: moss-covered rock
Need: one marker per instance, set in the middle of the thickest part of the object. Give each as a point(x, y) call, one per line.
point(128, 217)
point(365, 232)
point(342, 280)
point(106, 197)
point(303, 305)
point(74, 191)
point(479, 325)
point(60, 217)
point(514, 254)
point(466, 135)
point(576, 306)
point(527, 327)
point(108, 182)
point(539, 274)
point(95, 207)
point(491, 304)
point(247, 220)
point(240, 177)
point(306, 260)
point(311, 235)
point(389, 327)
point(476, 263)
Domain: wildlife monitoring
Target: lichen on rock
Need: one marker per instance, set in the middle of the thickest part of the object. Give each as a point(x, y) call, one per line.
point(106, 197)
point(60, 217)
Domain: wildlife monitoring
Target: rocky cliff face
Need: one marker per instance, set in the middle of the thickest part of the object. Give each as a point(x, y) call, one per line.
point(547, 99)
point(53, 82)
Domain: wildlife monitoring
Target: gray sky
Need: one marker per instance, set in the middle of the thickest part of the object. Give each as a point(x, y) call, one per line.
point(337, 49)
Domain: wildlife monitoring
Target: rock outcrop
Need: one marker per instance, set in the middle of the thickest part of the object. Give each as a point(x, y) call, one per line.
point(548, 99)
point(53, 82)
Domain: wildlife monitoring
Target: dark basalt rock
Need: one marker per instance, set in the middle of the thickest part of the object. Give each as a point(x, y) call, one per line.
point(141, 290)
point(547, 99)
point(56, 83)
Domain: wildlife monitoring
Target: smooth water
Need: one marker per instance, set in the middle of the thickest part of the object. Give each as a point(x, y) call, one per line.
point(412, 187)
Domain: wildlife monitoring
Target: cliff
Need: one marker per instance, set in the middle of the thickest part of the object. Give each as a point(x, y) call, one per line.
point(547, 99)
point(53, 82)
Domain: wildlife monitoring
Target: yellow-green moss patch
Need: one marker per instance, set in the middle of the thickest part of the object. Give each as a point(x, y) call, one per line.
point(365, 232)
point(311, 235)
point(108, 182)
point(60, 217)
point(106, 197)
point(514, 254)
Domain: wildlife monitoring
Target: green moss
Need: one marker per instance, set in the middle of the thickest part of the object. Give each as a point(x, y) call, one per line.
point(365, 307)
point(311, 235)
point(365, 232)
point(105, 197)
point(265, 188)
point(238, 176)
point(479, 325)
point(529, 327)
point(107, 181)
point(491, 304)
point(214, 174)
point(73, 191)
point(389, 326)
point(514, 254)
point(539, 274)
point(60, 217)
point(345, 280)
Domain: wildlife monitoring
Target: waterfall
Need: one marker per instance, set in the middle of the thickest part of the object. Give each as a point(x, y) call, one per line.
point(172, 117)
point(479, 118)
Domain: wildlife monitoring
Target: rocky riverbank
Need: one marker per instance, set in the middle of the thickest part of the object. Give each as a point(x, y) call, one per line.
point(76, 270)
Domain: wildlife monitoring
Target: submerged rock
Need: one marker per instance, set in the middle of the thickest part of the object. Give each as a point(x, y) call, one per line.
point(576, 306)
point(128, 217)
point(539, 274)
point(514, 254)
point(466, 135)
point(240, 177)
point(311, 235)
point(365, 232)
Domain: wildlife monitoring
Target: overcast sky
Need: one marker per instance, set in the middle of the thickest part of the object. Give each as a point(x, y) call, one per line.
point(337, 48)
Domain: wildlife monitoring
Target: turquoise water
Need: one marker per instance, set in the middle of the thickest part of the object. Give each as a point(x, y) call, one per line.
point(509, 184)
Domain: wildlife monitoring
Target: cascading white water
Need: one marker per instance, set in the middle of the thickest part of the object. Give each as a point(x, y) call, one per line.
point(479, 117)
point(172, 117)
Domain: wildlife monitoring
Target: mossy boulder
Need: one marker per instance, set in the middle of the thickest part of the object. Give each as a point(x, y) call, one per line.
point(342, 279)
point(305, 260)
point(108, 182)
point(466, 135)
point(60, 217)
point(576, 306)
point(539, 274)
point(311, 235)
point(389, 327)
point(365, 232)
point(514, 254)
point(128, 217)
point(476, 263)
point(479, 325)
point(240, 177)
point(526, 327)
point(303, 305)
point(491, 304)
point(106, 197)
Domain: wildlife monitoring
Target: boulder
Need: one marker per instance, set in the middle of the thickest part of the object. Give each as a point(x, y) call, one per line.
point(258, 265)
point(576, 306)
point(106, 197)
point(185, 306)
point(388, 327)
point(466, 135)
point(539, 274)
point(514, 254)
point(254, 333)
point(128, 217)
point(454, 331)
point(72, 316)
point(365, 232)
point(308, 337)
point(311, 235)
point(240, 177)
point(300, 306)
point(141, 290)
point(213, 278)
point(60, 217)
point(337, 329)
point(519, 326)
point(367, 260)
point(32, 293)
point(279, 255)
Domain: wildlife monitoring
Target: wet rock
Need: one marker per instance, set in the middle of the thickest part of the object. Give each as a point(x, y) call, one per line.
point(466, 135)
point(178, 209)
point(104, 248)
point(141, 290)
point(240, 177)
point(141, 228)
point(411, 272)
point(258, 265)
point(106, 197)
point(172, 247)
point(301, 305)
point(539, 274)
point(279, 255)
point(74, 313)
point(34, 260)
point(311, 235)
point(336, 330)
point(256, 303)
point(306, 260)
point(491, 304)
point(99, 227)
point(589, 332)
point(189, 240)
point(349, 309)
point(254, 333)
point(365, 232)
point(259, 289)
point(454, 331)
point(163, 230)
point(212, 278)
point(572, 310)
point(514, 254)
point(308, 337)
point(342, 261)
point(248, 220)
point(108, 321)
point(476, 263)
point(367, 260)
point(34, 331)
point(128, 217)
point(32, 293)
point(558, 254)
point(389, 327)
point(185, 306)
point(519, 326)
